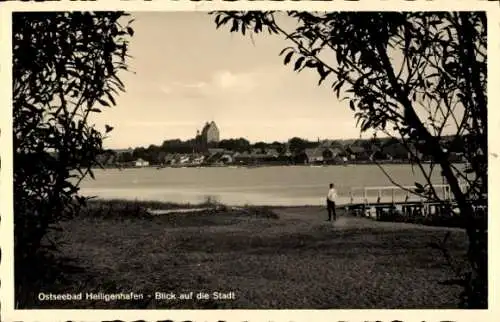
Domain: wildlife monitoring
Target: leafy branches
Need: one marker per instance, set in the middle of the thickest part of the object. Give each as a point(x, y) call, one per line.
point(65, 67)
point(402, 76)
point(413, 75)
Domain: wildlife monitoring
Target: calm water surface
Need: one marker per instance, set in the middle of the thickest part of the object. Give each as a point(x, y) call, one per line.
point(287, 185)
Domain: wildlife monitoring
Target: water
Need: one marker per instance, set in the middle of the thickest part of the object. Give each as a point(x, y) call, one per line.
point(287, 185)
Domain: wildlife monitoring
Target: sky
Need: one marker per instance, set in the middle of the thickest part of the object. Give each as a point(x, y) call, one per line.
point(187, 72)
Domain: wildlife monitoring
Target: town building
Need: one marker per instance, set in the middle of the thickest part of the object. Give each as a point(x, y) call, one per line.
point(141, 163)
point(320, 154)
point(208, 137)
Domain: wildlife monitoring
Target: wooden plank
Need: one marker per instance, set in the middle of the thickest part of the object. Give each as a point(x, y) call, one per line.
point(402, 203)
point(436, 186)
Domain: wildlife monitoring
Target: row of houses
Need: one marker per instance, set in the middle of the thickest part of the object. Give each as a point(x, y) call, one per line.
point(325, 152)
point(221, 156)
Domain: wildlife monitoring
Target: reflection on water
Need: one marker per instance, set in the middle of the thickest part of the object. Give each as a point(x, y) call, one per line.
point(240, 186)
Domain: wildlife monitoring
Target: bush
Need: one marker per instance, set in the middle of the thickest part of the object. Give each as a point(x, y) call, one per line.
point(65, 67)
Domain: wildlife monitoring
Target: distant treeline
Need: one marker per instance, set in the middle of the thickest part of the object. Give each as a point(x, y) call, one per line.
point(155, 154)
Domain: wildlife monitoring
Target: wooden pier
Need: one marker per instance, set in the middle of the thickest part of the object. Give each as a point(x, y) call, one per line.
point(374, 201)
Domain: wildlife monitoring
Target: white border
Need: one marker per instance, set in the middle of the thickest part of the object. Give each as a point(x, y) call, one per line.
point(6, 204)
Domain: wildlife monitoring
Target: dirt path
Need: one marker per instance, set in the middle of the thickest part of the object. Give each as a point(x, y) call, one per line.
point(317, 216)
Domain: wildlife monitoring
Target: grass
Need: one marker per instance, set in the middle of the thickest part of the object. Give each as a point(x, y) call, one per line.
point(269, 257)
point(123, 209)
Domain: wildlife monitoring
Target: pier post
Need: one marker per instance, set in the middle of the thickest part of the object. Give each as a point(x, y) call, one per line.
point(365, 202)
point(351, 211)
point(406, 209)
point(378, 209)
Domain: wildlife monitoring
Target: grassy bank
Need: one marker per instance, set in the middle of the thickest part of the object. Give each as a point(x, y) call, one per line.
point(125, 209)
point(269, 257)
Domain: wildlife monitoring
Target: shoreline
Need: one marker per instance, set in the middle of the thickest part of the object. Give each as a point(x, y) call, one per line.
point(342, 203)
point(264, 165)
point(120, 208)
point(176, 205)
point(166, 205)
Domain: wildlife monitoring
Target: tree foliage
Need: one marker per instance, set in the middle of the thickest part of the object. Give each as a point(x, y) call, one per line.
point(65, 67)
point(412, 75)
point(374, 149)
point(238, 145)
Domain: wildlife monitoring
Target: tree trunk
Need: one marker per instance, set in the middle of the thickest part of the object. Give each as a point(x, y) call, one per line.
point(476, 283)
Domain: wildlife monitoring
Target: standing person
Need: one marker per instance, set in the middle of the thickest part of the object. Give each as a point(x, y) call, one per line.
point(330, 202)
